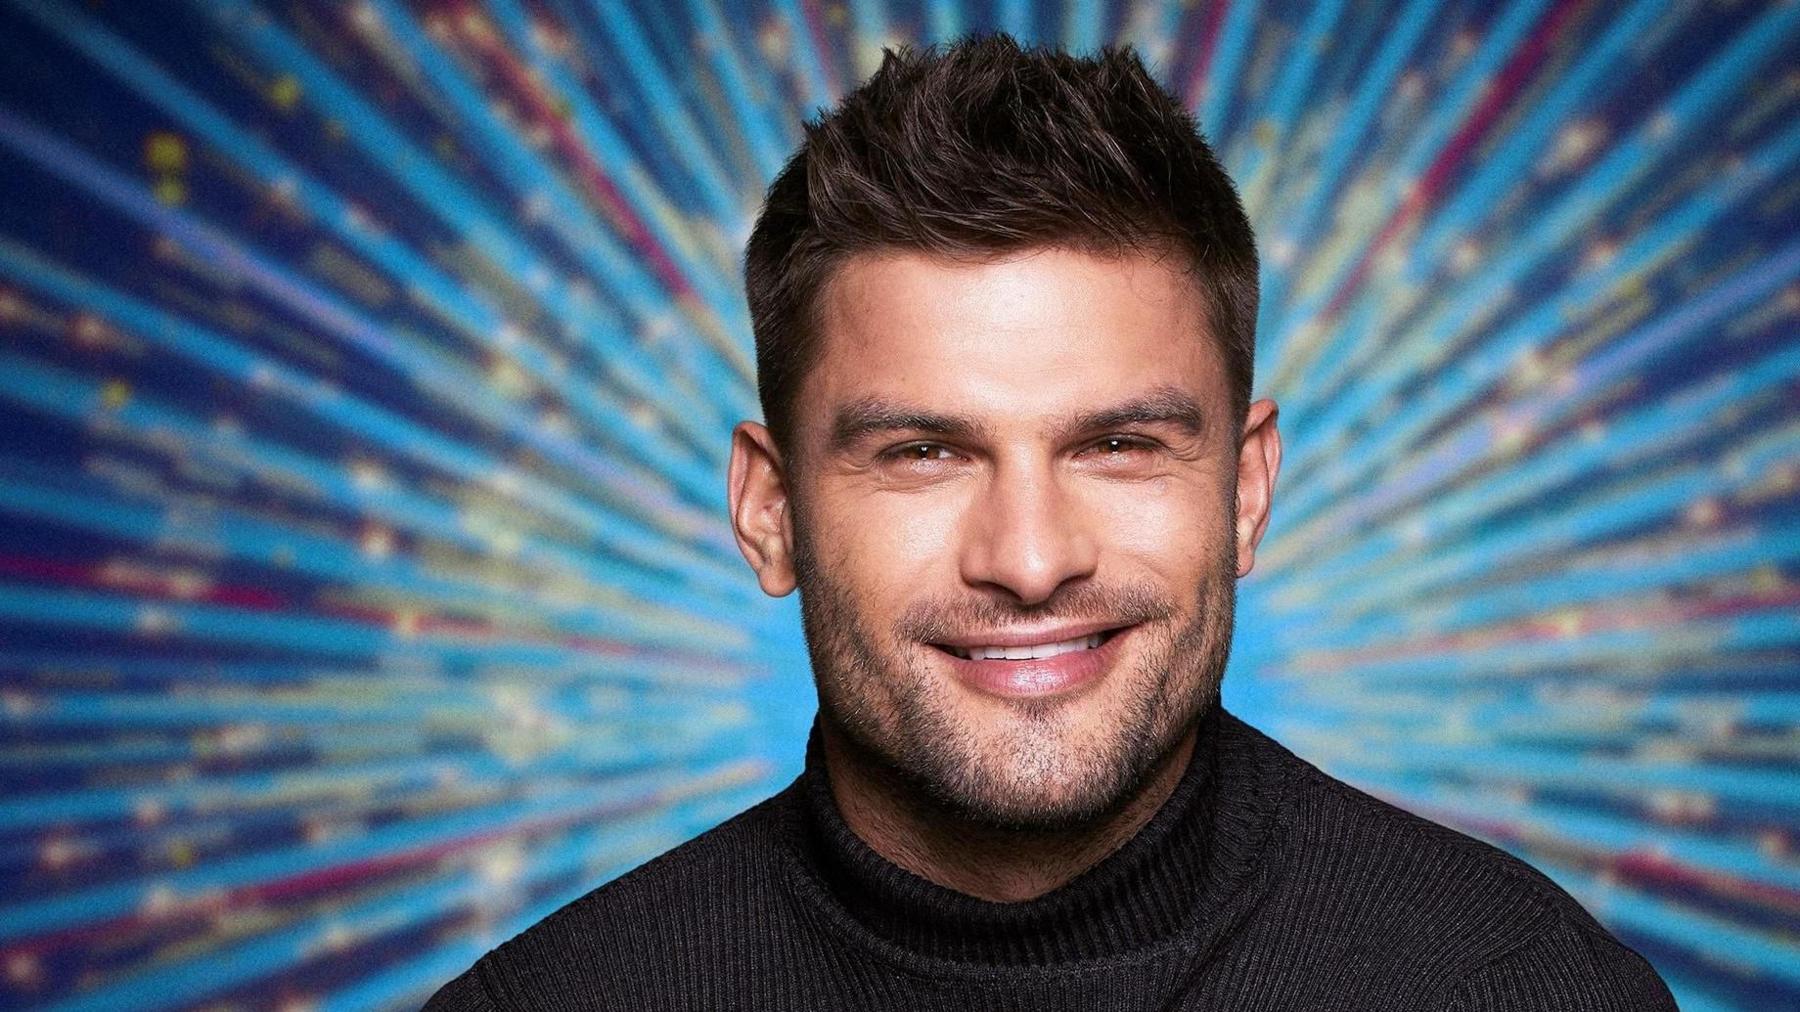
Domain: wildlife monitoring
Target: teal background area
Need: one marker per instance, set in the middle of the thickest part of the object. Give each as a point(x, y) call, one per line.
point(366, 372)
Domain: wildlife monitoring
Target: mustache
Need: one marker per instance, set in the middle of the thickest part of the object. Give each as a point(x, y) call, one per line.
point(935, 619)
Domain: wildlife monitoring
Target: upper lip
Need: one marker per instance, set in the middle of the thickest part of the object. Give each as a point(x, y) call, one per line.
point(1029, 637)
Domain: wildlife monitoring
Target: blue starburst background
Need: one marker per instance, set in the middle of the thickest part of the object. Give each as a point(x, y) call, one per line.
point(365, 592)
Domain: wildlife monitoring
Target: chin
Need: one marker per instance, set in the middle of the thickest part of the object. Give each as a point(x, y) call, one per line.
point(1021, 781)
point(1034, 808)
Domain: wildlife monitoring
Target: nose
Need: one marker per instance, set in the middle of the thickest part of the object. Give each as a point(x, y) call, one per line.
point(1027, 536)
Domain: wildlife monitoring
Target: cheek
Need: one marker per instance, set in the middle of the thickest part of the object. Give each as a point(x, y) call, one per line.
point(1172, 526)
point(889, 547)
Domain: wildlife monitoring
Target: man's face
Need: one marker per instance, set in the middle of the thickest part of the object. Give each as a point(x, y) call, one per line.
point(1015, 524)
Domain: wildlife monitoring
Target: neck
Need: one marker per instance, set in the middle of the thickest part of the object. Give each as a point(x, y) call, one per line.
point(990, 863)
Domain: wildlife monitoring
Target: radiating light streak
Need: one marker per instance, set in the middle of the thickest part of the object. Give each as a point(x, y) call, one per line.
point(65, 394)
point(583, 237)
point(475, 320)
point(745, 86)
point(1453, 390)
point(255, 541)
point(412, 842)
point(1225, 67)
point(1373, 87)
point(461, 210)
point(330, 315)
point(1710, 937)
point(1602, 836)
point(1285, 103)
point(1632, 440)
point(184, 982)
point(804, 56)
point(1410, 184)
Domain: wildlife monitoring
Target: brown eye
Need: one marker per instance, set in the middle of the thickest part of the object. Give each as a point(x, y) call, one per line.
point(1115, 446)
point(921, 452)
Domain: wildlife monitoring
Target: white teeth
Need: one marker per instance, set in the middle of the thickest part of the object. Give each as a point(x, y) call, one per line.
point(1033, 652)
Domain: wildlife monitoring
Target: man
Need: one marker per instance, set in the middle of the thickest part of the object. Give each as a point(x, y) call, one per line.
point(1004, 305)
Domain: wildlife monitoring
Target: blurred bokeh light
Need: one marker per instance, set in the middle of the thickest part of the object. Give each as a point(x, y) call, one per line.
point(368, 368)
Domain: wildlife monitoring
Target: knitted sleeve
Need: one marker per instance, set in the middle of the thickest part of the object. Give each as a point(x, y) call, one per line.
point(464, 994)
point(1566, 968)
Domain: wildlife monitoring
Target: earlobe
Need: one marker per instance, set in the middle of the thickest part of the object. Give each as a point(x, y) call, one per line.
point(756, 487)
point(1259, 462)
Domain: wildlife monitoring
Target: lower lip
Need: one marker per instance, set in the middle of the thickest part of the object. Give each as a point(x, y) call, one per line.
point(1044, 676)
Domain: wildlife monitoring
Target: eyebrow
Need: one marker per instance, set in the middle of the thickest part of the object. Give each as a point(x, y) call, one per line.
point(870, 416)
point(1166, 405)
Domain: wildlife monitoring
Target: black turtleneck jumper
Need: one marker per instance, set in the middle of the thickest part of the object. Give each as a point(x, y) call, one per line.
point(1261, 884)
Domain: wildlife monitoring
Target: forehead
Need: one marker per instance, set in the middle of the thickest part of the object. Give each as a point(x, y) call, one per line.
point(1022, 338)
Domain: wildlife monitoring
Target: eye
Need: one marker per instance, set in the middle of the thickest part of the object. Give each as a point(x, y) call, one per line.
point(919, 452)
point(1122, 456)
point(1119, 446)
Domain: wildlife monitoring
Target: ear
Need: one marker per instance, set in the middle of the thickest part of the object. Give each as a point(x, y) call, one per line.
point(1259, 460)
point(757, 490)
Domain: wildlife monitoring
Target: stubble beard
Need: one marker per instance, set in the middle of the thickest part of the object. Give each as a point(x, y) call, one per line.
point(902, 719)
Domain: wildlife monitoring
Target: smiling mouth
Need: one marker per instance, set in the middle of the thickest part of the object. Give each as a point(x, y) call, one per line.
point(1031, 652)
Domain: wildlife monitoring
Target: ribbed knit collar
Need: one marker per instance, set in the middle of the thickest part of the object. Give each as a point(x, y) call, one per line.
point(1153, 887)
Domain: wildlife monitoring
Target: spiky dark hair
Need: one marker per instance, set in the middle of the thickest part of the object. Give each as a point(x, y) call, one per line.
point(984, 148)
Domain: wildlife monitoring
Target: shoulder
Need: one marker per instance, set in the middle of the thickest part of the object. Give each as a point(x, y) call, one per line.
point(1413, 870)
point(1377, 861)
point(618, 939)
point(1381, 887)
point(1567, 965)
